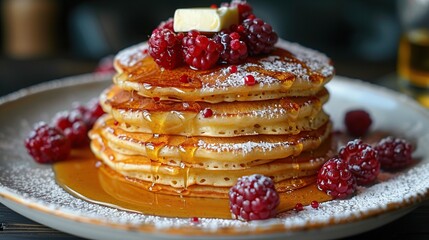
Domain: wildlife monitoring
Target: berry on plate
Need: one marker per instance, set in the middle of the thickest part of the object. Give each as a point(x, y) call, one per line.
point(335, 178)
point(47, 144)
point(253, 198)
point(362, 161)
point(394, 153)
point(357, 122)
point(73, 127)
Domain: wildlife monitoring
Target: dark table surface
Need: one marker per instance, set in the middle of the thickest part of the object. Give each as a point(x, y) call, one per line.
point(413, 226)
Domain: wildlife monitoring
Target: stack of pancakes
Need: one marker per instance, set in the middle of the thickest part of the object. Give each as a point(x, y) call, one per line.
point(194, 132)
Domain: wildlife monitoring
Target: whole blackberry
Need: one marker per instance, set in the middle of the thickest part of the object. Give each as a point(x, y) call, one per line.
point(47, 144)
point(394, 153)
point(253, 198)
point(199, 51)
point(234, 49)
point(165, 48)
point(258, 35)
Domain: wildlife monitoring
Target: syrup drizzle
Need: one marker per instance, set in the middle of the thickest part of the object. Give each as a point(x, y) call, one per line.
point(83, 176)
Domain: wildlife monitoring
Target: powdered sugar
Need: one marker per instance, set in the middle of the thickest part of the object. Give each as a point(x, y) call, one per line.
point(243, 148)
point(34, 184)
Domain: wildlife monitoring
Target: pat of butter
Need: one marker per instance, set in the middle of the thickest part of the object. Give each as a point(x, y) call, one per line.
point(204, 19)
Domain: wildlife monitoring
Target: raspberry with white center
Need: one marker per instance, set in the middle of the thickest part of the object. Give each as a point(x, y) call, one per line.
point(394, 153)
point(165, 48)
point(258, 36)
point(244, 9)
point(168, 24)
point(357, 122)
point(234, 49)
point(47, 144)
point(335, 178)
point(199, 51)
point(73, 127)
point(362, 161)
point(253, 198)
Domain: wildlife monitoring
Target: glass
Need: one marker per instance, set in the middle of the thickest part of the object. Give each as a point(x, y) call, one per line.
point(413, 52)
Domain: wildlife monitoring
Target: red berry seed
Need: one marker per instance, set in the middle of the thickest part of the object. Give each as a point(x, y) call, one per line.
point(253, 198)
point(233, 69)
point(315, 204)
point(362, 161)
point(249, 80)
point(357, 122)
point(299, 207)
point(184, 78)
point(394, 153)
point(335, 178)
point(195, 220)
point(47, 144)
point(156, 99)
point(207, 112)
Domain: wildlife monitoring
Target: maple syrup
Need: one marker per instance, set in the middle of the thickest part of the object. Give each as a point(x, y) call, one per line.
point(83, 176)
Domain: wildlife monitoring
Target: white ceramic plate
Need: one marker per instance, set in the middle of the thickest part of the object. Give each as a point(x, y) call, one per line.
point(30, 189)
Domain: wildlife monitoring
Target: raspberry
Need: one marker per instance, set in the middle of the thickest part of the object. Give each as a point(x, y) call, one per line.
point(199, 51)
point(362, 161)
point(357, 122)
point(234, 49)
point(394, 153)
point(73, 127)
point(91, 112)
point(244, 9)
point(253, 198)
point(165, 48)
point(47, 144)
point(168, 24)
point(258, 35)
point(335, 178)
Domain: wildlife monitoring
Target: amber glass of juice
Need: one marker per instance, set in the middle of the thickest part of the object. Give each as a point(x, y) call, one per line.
point(413, 50)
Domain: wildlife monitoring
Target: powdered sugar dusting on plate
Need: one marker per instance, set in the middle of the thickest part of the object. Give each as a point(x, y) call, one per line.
point(21, 178)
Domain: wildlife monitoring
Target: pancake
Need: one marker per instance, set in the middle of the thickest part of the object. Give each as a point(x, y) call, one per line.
point(290, 70)
point(280, 116)
point(297, 172)
point(156, 134)
point(208, 152)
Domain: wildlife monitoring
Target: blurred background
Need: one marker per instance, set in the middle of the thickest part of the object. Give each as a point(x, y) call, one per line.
point(48, 39)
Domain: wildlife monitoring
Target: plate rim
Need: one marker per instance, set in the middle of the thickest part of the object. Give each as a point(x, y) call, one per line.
point(225, 231)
